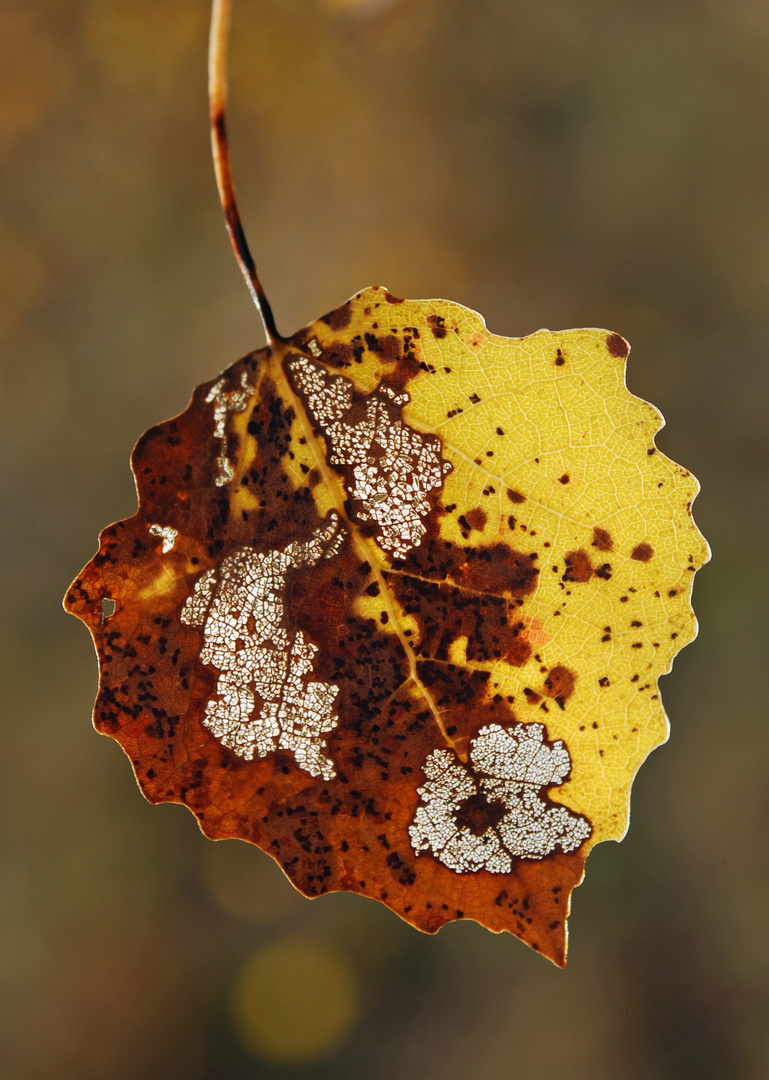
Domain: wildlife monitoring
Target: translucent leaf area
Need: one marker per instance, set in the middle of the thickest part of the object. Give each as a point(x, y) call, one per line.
point(394, 606)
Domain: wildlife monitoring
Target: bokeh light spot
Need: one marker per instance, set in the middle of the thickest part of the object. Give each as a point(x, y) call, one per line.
point(295, 1000)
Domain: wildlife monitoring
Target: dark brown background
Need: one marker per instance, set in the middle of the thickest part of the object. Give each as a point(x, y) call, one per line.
point(547, 163)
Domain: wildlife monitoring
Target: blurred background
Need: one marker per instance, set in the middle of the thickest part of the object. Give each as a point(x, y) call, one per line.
point(550, 163)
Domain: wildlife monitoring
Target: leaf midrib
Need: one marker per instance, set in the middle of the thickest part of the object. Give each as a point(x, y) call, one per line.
point(366, 547)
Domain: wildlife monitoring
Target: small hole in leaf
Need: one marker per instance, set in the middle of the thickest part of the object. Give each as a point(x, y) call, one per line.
point(108, 606)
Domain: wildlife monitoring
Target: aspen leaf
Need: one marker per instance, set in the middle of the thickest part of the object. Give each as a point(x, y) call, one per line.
point(394, 605)
point(395, 601)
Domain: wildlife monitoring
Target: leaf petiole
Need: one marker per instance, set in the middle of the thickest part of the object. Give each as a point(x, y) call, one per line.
point(217, 105)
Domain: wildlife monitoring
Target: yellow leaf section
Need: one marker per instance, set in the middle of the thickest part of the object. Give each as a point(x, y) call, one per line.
point(545, 438)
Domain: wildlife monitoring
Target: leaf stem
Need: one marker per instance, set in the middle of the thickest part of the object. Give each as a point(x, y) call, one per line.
point(217, 104)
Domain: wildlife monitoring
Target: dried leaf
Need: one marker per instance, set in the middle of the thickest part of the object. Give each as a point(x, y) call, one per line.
point(394, 606)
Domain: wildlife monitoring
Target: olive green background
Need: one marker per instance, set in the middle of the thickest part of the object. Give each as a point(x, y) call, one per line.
point(553, 163)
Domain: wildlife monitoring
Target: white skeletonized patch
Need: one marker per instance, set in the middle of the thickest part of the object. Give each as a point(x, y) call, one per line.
point(502, 787)
point(167, 533)
point(227, 401)
point(394, 467)
point(264, 699)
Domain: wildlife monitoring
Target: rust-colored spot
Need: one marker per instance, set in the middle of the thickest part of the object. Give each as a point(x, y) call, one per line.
point(498, 570)
point(559, 683)
point(617, 345)
point(339, 317)
point(342, 354)
point(437, 325)
point(642, 552)
point(393, 299)
point(387, 346)
point(477, 518)
point(518, 652)
point(578, 566)
point(602, 539)
point(515, 496)
point(532, 696)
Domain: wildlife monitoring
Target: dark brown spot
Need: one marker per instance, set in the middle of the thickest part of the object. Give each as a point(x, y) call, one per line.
point(463, 699)
point(437, 325)
point(559, 358)
point(469, 592)
point(403, 372)
point(497, 570)
point(515, 496)
point(478, 815)
point(578, 566)
point(559, 683)
point(387, 346)
point(341, 354)
point(563, 479)
point(617, 345)
point(602, 540)
point(532, 696)
point(339, 317)
point(477, 518)
point(642, 552)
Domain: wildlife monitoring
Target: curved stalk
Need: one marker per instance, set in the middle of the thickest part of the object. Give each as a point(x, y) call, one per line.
point(217, 103)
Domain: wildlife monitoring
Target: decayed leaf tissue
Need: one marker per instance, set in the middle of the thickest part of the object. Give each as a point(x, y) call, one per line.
point(394, 605)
